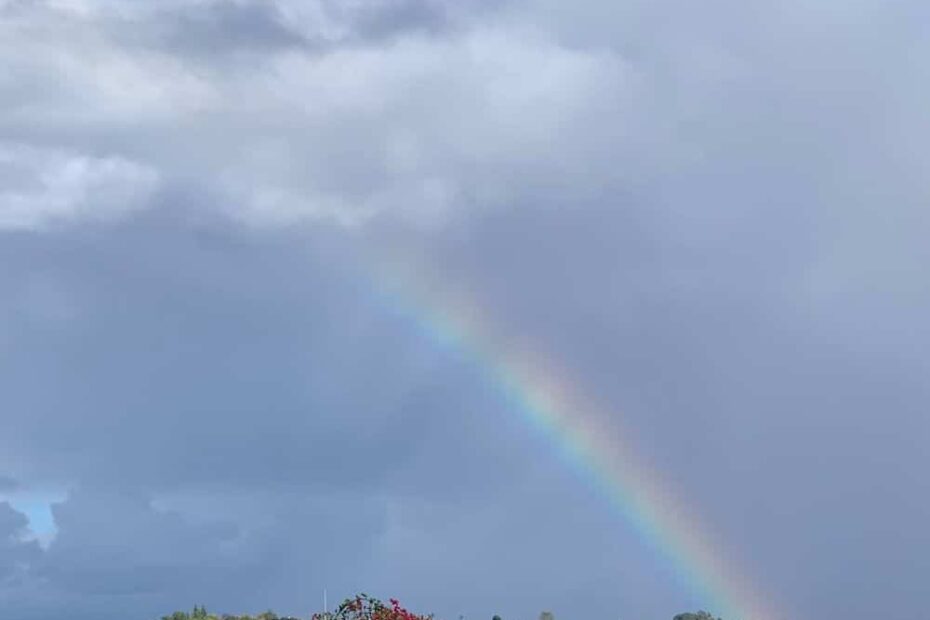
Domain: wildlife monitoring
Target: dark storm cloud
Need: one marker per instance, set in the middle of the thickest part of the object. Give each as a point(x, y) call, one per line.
point(211, 29)
point(142, 551)
point(261, 370)
point(393, 18)
point(379, 20)
point(16, 554)
point(222, 26)
point(258, 460)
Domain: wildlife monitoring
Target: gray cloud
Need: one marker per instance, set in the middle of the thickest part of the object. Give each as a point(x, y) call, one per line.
point(45, 186)
point(418, 128)
point(214, 27)
point(712, 218)
point(16, 554)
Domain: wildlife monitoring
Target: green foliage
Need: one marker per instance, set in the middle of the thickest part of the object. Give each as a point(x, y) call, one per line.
point(198, 613)
point(201, 613)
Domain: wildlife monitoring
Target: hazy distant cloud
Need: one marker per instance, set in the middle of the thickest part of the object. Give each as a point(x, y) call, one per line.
point(7, 484)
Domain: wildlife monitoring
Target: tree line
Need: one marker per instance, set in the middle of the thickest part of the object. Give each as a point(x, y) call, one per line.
point(364, 607)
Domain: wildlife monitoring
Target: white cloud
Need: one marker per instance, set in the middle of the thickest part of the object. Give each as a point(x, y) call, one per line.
point(44, 186)
point(416, 128)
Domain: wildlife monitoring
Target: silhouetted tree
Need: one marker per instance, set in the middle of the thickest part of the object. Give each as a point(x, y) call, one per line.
point(701, 615)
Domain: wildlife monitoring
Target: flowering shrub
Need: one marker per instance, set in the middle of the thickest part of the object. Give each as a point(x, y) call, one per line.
point(364, 607)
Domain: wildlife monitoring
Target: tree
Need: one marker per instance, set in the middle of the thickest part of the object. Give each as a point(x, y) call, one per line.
point(701, 615)
point(364, 607)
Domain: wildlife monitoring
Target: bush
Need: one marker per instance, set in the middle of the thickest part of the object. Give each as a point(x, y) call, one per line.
point(364, 607)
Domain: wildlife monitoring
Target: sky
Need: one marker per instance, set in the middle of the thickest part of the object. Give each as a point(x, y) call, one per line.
point(230, 231)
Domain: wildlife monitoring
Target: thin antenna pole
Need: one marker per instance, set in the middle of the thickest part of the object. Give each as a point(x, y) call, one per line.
point(325, 606)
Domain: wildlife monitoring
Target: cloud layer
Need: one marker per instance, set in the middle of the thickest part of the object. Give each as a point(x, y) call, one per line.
point(713, 217)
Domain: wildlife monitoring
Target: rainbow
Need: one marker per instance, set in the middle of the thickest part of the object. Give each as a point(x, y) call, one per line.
point(582, 433)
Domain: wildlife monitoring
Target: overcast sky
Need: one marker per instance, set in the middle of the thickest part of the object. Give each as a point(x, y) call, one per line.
point(713, 214)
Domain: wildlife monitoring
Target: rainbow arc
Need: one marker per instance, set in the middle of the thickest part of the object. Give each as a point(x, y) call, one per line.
point(584, 434)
